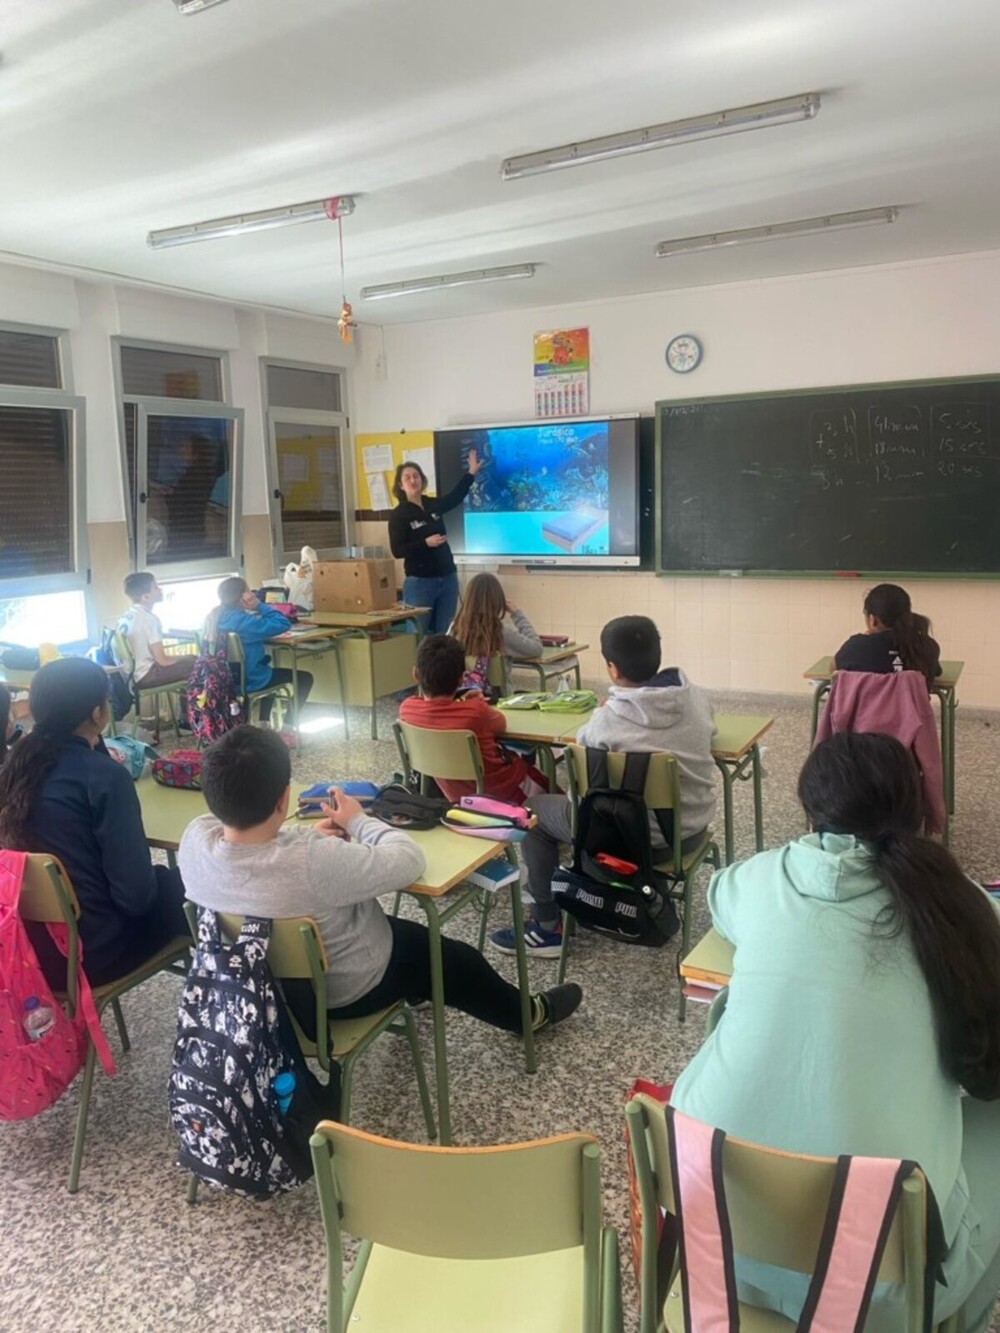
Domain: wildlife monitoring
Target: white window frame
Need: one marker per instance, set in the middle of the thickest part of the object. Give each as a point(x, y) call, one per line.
point(275, 415)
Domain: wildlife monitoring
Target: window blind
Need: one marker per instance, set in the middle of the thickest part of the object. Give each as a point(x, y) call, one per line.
point(36, 497)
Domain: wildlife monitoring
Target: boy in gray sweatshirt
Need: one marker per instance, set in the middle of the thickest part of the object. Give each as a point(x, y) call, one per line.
point(646, 710)
point(245, 857)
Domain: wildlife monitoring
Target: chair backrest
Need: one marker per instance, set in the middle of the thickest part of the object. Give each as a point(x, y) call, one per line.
point(452, 755)
point(47, 894)
point(122, 651)
point(236, 653)
point(662, 790)
point(495, 673)
point(777, 1205)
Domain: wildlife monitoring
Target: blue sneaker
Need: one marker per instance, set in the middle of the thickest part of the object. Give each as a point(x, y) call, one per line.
point(539, 940)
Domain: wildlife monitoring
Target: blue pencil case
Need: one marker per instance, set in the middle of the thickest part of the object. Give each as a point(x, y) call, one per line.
point(311, 798)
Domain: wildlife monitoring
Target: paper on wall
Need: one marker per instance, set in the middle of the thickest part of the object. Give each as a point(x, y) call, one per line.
point(326, 457)
point(293, 467)
point(378, 491)
point(424, 459)
point(378, 458)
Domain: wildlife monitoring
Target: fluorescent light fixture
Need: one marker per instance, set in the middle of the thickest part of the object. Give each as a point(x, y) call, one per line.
point(865, 217)
point(385, 290)
point(761, 114)
point(196, 6)
point(338, 206)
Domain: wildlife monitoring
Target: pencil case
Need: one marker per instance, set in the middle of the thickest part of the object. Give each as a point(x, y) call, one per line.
point(312, 797)
point(486, 805)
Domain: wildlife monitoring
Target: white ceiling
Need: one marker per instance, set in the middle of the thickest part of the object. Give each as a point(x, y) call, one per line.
point(118, 116)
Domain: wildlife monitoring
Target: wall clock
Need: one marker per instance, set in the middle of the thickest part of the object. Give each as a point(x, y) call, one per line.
point(683, 353)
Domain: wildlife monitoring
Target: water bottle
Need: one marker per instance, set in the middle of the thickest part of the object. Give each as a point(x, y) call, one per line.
point(284, 1090)
point(38, 1018)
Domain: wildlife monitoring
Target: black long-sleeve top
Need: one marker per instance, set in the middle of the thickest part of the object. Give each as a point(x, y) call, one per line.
point(411, 524)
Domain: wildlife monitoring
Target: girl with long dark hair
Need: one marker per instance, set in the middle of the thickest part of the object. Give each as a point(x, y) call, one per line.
point(865, 997)
point(62, 793)
point(896, 637)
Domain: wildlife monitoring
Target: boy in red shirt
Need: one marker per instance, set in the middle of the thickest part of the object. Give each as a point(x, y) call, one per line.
point(439, 671)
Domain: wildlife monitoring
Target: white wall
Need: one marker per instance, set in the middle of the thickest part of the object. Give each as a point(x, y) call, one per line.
point(922, 320)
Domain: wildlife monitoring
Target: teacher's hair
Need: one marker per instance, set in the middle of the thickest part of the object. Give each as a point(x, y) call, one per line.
point(479, 624)
point(891, 605)
point(868, 785)
point(64, 693)
point(397, 481)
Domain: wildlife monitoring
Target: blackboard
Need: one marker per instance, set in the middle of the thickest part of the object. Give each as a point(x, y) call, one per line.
point(877, 478)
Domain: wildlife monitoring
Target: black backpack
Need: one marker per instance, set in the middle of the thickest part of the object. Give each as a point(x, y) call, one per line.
point(629, 901)
point(397, 805)
point(233, 1040)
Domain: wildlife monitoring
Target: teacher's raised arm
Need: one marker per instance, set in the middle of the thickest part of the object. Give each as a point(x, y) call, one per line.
point(417, 537)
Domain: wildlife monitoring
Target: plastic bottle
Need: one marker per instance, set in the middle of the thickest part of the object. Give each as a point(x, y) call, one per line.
point(284, 1090)
point(38, 1018)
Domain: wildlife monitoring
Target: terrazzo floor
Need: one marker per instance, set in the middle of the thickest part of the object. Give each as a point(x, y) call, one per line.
point(128, 1253)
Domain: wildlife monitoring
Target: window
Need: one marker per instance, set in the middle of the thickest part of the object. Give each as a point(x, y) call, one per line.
point(306, 433)
point(42, 500)
point(182, 461)
point(58, 617)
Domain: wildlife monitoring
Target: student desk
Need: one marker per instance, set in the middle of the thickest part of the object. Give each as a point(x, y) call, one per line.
point(711, 962)
point(548, 664)
point(821, 673)
point(372, 662)
point(451, 857)
point(735, 749)
point(312, 641)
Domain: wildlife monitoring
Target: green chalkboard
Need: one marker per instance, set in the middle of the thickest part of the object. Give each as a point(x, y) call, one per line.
point(870, 478)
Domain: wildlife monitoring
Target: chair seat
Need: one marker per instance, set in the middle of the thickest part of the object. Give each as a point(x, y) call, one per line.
point(408, 1293)
point(347, 1033)
point(691, 858)
point(176, 949)
point(752, 1318)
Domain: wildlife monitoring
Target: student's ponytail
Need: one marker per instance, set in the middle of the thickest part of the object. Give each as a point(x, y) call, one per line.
point(63, 695)
point(868, 785)
point(890, 605)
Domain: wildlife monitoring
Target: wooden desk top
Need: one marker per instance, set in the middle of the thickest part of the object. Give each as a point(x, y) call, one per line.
point(552, 654)
point(711, 959)
point(308, 634)
point(364, 619)
point(167, 811)
point(824, 669)
point(735, 733)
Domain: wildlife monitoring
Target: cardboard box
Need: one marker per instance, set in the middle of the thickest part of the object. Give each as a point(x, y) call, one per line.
point(354, 585)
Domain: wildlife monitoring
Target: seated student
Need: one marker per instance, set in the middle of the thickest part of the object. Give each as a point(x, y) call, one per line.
point(142, 629)
point(489, 623)
point(646, 709)
point(61, 792)
point(244, 857)
point(439, 671)
point(241, 612)
point(865, 996)
point(8, 727)
point(896, 638)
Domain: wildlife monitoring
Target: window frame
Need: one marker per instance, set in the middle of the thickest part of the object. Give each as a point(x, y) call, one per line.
point(149, 405)
point(275, 415)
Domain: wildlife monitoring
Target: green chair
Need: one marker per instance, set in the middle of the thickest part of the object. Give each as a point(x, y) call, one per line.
point(281, 694)
point(295, 951)
point(777, 1205)
point(494, 1239)
point(662, 793)
point(122, 650)
point(48, 895)
point(496, 673)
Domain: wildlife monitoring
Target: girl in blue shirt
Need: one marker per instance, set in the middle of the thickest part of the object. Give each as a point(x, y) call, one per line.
point(241, 612)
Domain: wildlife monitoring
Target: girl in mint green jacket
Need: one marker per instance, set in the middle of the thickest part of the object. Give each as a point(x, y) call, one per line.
point(865, 997)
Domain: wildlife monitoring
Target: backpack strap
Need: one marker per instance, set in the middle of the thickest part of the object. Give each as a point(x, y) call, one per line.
point(84, 996)
point(254, 937)
point(597, 768)
point(209, 934)
point(636, 772)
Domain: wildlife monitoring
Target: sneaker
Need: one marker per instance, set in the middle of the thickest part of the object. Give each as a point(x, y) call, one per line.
point(558, 1003)
point(539, 940)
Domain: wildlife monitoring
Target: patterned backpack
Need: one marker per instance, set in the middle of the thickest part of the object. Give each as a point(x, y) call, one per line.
point(36, 1071)
point(213, 703)
point(233, 1040)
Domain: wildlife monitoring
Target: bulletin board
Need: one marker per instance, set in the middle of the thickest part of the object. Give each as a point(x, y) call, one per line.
point(376, 458)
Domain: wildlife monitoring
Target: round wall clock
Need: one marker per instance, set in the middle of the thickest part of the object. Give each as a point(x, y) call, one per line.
point(683, 353)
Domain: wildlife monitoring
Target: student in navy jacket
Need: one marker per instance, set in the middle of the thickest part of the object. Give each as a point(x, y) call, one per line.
point(62, 793)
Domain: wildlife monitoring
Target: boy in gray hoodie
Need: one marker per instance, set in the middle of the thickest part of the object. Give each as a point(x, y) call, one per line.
point(646, 710)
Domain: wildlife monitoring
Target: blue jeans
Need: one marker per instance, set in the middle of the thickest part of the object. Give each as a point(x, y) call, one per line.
point(441, 595)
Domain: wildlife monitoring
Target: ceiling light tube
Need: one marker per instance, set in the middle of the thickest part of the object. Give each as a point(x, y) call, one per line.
point(865, 217)
point(761, 114)
point(196, 6)
point(385, 290)
point(338, 206)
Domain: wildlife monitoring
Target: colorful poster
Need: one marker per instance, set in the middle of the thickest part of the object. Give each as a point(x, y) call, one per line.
point(562, 373)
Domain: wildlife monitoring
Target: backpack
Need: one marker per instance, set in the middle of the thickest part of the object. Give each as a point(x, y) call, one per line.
point(119, 694)
point(402, 808)
point(213, 704)
point(180, 768)
point(611, 886)
point(130, 753)
point(476, 677)
point(34, 1073)
point(233, 1040)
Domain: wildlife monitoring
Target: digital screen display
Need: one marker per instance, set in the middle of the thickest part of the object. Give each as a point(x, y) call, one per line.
point(553, 492)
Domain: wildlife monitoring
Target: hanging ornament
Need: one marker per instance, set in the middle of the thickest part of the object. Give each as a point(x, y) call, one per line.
point(346, 322)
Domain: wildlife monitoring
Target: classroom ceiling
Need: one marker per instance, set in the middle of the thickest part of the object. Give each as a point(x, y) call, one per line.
point(121, 116)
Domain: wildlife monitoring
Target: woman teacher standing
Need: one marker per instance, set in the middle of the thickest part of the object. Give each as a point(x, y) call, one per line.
point(417, 537)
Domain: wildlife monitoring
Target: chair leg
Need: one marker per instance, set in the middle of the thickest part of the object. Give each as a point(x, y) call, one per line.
point(120, 1021)
point(81, 1119)
point(418, 1065)
point(396, 902)
point(346, 1086)
point(484, 920)
point(568, 925)
point(192, 1190)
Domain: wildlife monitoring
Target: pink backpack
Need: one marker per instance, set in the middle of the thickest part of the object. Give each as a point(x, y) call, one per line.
point(35, 1073)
